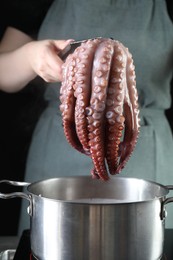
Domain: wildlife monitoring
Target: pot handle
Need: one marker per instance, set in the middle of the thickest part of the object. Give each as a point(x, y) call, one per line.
point(14, 194)
point(166, 201)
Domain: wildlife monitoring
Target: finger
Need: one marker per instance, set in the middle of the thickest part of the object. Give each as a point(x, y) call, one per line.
point(54, 67)
point(61, 44)
point(50, 75)
point(49, 78)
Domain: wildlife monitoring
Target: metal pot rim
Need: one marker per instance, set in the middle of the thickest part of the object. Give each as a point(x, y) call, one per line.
point(110, 201)
point(30, 187)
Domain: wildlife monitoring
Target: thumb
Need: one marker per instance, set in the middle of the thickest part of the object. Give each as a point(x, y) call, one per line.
point(61, 44)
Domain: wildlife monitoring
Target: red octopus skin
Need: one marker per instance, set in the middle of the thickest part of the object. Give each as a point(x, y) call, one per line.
point(99, 104)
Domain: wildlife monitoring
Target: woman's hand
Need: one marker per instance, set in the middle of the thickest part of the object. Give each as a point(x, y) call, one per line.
point(44, 60)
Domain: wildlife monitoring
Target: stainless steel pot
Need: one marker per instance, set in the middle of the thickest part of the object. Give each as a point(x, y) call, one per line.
point(77, 218)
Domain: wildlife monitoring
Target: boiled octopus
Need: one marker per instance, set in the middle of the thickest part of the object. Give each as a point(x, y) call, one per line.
point(99, 104)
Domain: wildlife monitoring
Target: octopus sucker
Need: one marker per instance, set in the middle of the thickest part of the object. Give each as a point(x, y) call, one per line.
point(99, 104)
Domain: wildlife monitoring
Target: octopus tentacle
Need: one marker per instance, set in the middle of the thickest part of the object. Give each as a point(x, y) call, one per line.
point(84, 61)
point(96, 122)
point(114, 109)
point(67, 106)
point(131, 112)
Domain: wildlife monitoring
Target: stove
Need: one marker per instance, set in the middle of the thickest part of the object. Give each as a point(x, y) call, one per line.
point(23, 250)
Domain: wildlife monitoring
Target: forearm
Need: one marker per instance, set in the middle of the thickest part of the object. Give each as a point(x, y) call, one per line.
point(15, 70)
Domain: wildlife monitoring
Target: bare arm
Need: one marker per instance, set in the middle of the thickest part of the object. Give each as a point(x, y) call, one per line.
point(22, 59)
point(13, 39)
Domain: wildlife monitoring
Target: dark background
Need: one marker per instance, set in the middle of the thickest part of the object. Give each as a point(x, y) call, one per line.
point(19, 113)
